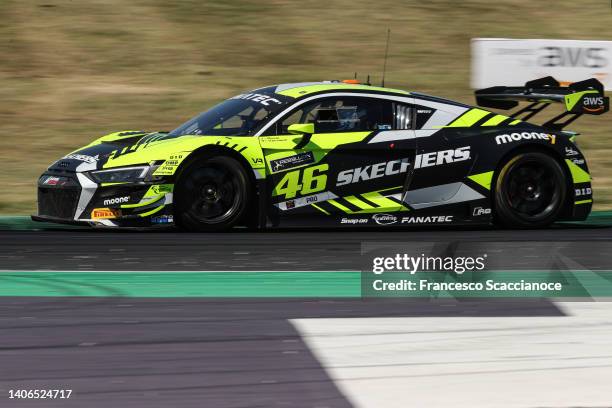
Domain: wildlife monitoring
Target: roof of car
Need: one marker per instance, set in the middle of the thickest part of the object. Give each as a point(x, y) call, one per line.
point(297, 90)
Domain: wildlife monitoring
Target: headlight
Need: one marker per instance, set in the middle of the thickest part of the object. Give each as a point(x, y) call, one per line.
point(121, 175)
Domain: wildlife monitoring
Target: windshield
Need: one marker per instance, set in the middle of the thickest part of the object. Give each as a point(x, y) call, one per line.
point(241, 115)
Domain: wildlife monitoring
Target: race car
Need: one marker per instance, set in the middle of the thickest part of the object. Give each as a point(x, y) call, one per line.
point(337, 153)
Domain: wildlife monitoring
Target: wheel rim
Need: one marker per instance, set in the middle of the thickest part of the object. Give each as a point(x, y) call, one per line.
point(532, 190)
point(216, 194)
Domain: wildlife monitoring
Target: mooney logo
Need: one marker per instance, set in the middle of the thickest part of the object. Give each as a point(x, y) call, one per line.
point(116, 200)
point(515, 137)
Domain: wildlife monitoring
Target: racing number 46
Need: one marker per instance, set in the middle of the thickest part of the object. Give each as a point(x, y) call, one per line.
point(312, 181)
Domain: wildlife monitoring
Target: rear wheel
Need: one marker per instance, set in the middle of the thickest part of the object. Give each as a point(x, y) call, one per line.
point(530, 191)
point(212, 195)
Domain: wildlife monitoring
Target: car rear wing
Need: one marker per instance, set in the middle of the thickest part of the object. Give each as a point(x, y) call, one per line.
point(584, 97)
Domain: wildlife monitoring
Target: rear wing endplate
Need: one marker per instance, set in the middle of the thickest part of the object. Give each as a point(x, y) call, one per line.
point(584, 97)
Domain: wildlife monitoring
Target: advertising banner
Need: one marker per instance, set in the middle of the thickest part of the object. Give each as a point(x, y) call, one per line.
point(512, 62)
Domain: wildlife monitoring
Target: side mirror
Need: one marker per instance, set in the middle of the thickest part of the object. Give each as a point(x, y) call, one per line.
point(301, 128)
point(304, 129)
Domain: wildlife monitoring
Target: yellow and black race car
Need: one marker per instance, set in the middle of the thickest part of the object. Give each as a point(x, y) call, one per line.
point(337, 153)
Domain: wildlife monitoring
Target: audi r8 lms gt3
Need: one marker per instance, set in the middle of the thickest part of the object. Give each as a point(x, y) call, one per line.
point(335, 153)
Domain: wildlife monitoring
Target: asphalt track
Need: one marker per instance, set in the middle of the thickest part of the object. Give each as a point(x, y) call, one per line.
point(139, 352)
point(189, 352)
point(284, 250)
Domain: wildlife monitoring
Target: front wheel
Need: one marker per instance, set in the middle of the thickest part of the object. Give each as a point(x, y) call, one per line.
point(530, 191)
point(212, 195)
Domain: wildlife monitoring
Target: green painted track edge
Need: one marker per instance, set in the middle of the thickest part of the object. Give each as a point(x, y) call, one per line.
point(583, 284)
point(181, 284)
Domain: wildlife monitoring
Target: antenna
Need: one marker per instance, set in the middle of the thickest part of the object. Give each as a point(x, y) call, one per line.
point(385, 60)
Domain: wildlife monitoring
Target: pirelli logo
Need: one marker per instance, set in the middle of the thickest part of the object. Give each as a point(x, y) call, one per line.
point(104, 214)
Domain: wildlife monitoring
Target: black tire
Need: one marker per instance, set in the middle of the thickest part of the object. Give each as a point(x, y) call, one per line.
point(530, 191)
point(212, 194)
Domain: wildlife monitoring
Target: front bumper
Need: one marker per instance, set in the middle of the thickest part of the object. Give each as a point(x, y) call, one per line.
point(73, 198)
point(55, 220)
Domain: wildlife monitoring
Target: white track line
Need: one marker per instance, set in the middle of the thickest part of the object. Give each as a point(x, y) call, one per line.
point(469, 361)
